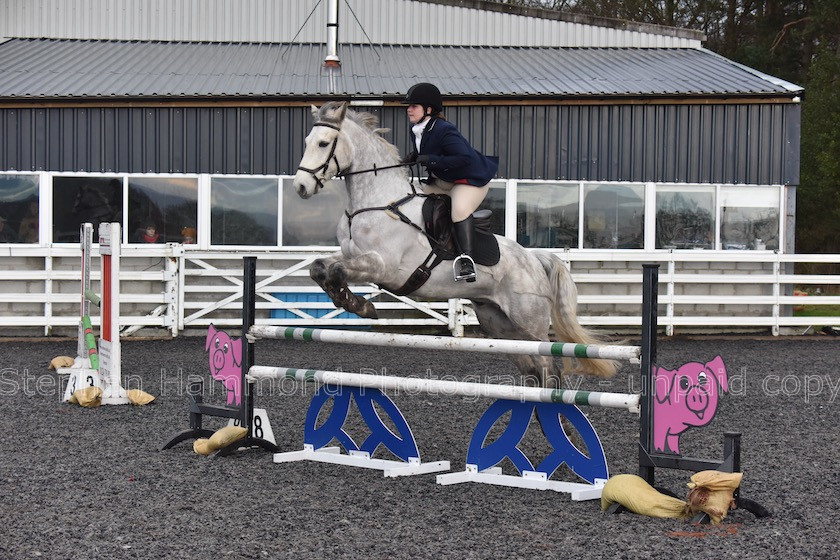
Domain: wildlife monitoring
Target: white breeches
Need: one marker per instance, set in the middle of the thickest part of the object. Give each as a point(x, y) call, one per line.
point(465, 198)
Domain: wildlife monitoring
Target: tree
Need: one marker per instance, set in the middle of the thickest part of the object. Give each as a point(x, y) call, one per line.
point(818, 198)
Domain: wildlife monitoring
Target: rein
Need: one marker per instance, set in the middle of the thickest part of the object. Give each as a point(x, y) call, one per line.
point(332, 157)
point(373, 169)
point(392, 209)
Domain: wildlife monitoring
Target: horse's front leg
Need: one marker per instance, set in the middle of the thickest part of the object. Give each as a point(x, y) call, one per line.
point(333, 274)
point(318, 271)
point(333, 285)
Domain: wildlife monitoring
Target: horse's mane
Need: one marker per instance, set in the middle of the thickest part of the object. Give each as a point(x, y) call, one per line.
point(367, 121)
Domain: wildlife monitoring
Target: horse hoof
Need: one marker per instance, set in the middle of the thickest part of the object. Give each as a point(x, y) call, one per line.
point(368, 311)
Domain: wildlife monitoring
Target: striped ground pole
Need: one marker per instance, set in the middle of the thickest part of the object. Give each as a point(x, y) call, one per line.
point(414, 385)
point(486, 345)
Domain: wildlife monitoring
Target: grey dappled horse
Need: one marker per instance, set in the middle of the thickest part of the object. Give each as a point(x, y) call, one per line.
point(518, 298)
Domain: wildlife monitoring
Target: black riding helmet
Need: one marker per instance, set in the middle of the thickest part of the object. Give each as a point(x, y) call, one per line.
point(425, 94)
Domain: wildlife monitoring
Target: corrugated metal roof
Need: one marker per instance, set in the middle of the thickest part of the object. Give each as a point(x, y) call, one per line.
point(406, 22)
point(50, 68)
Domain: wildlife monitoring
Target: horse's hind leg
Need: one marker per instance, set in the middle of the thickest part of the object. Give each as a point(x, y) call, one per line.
point(540, 371)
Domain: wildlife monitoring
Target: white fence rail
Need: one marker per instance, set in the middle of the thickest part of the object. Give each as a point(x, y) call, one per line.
point(172, 289)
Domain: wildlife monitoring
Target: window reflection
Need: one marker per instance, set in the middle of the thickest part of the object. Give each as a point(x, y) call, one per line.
point(547, 215)
point(161, 209)
point(313, 221)
point(77, 200)
point(19, 209)
point(243, 211)
point(495, 202)
point(613, 216)
point(749, 218)
point(685, 217)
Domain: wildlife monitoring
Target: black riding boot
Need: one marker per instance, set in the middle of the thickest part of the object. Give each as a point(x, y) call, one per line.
point(464, 266)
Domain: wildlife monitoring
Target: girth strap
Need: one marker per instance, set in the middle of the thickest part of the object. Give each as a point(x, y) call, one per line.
point(420, 275)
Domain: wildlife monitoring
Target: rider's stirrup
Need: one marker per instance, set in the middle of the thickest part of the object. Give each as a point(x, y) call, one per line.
point(459, 273)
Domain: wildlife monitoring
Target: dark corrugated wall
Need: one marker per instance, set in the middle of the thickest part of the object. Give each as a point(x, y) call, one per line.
point(705, 143)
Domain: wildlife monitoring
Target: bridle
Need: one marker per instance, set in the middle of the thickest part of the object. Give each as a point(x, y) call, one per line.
point(324, 166)
point(339, 172)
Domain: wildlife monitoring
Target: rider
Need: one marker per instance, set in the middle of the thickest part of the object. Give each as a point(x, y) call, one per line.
point(455, 168)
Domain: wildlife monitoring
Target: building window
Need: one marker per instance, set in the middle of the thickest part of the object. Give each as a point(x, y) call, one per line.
point(685, 217)
point(77, 200)
point(547, 215)
point(162, 209)
point(495, 202)
point(313, 221)
point(19, 209)
point(243, 211)
point(749, 217)
point(613, 216)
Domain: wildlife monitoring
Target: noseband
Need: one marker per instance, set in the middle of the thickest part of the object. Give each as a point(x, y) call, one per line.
point(324, 166)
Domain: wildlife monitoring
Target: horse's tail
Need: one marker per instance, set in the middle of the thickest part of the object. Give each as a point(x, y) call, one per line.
point(564, 315)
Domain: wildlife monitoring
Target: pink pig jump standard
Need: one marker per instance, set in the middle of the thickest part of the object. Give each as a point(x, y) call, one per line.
point(228, 365)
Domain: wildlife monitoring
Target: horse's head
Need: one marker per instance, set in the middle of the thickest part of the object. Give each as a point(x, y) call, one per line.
point(327, 153)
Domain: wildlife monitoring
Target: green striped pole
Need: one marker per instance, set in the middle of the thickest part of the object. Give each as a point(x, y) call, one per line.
point(486, 345)
point(93, 297)
point(414, 385)
point(90, 342)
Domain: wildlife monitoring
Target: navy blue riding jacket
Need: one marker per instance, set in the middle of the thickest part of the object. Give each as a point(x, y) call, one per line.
point(451, 157)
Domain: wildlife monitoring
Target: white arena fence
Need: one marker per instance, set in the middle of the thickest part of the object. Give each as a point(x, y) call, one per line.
point(175, 288)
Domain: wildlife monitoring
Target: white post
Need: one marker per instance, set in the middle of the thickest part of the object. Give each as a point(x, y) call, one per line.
point(110, 357)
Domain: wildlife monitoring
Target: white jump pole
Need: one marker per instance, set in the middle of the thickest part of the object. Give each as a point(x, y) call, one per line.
point(486, 345)
point(110, 356)
point(414, 385)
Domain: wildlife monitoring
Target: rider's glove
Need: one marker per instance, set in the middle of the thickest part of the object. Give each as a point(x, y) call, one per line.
point(423, 160)
point(409, 158)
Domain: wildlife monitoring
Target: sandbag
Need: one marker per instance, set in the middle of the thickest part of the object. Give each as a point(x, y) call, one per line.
point(634, 493)
point(227, 435)
point(711, 493)
point(202, 446)
point(138, 397)
point(61, 362)
point(221, 438)
point(89, 397)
